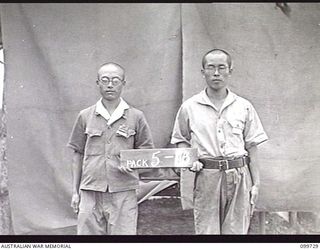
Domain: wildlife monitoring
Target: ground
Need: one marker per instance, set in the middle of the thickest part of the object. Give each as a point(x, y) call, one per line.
point(166, 217)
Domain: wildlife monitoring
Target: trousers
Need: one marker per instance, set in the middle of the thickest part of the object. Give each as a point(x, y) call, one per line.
point(107, 213)
point(222, 201)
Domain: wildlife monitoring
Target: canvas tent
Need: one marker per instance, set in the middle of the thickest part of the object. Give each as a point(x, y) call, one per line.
point(52, 52)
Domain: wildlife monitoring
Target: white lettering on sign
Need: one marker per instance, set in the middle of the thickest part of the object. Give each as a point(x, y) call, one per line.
point(130, 163)
point(158, 158)
point(141, 163)
point(155, 160)
point(182, 158)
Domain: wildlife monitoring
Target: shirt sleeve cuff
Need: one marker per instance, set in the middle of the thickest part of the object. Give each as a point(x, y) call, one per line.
point(256, 141)
point(175, 140)
point(75, 148)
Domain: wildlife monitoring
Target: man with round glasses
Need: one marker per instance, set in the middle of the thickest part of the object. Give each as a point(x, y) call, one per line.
point(104, 193)
point(226, 129)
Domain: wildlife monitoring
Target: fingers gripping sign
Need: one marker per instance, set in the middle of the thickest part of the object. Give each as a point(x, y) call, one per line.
point(125, 169)
point(196, 166)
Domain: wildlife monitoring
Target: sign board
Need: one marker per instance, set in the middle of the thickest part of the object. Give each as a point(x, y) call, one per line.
point(159, 158)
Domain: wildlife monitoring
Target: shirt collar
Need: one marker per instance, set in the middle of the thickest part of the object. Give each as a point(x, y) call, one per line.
point(117, 113)
point(203, 98)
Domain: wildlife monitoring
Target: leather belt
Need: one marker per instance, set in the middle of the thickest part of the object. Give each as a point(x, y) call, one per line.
point(224, 164)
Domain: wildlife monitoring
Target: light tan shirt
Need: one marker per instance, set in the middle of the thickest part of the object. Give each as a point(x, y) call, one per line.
point(228, 132)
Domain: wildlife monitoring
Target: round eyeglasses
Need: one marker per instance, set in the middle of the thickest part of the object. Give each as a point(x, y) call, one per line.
point(115, 81)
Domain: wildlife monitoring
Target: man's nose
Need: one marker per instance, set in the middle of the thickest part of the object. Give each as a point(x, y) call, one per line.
point(216, 72)
point(110, 84)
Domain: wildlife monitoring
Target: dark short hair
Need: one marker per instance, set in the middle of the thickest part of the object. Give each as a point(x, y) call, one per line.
point(229, 60)
point(112, 63)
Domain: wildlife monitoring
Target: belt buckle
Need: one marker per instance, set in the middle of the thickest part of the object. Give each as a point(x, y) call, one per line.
point(223, 163)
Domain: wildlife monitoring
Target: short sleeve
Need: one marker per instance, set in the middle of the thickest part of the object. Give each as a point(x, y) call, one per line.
point(77, 139)
point(254, 133)
point(181, 129)
point(143, 138)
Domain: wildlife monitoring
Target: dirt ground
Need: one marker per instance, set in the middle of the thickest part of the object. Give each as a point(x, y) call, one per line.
point(166, 217)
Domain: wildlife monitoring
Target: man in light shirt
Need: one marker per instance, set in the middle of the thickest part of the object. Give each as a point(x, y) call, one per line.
point(104, 193)
point(226, 129)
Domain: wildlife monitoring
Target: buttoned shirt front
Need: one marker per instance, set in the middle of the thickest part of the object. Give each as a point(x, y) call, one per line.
point(100, 137)
point(228, 132)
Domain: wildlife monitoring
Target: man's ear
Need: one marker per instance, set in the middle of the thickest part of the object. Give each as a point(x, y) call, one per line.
point(124, 82)
point(97, 82)
point(202, 72)
point(231, 67)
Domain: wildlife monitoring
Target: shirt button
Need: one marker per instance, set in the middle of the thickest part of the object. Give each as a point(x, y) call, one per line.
point(221, 146)
point(219, 131)
point(108, 141)
point(108, 127)
point(108, 157)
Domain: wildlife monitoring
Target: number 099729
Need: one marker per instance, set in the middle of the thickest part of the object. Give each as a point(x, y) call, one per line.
point(309, 245)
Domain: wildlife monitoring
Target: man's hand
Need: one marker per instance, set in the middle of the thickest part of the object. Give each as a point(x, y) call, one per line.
point(253, 197)
point(75, 201)
point(125, 169)
point(196, 166)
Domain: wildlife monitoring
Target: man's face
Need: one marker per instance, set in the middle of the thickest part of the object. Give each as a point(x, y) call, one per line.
point(216, 70)
point(110, 82)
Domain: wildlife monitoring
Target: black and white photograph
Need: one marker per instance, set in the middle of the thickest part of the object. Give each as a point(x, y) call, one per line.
point(171, 119)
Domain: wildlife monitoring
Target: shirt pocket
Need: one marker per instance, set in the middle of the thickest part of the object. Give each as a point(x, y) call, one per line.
point(94, 144)
point(123, 143)
point(237, 126)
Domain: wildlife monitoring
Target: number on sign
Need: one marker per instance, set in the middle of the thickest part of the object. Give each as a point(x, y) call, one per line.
point(182, 158)
point(155, 160)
